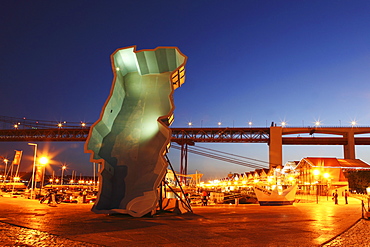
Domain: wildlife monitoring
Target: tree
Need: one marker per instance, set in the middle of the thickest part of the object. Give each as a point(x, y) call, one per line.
point(358, 180)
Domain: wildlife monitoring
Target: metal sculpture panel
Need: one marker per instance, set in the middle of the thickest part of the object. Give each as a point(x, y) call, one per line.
point(132, 134)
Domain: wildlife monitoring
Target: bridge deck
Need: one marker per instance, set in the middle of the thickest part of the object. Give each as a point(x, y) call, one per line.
point(191, 135)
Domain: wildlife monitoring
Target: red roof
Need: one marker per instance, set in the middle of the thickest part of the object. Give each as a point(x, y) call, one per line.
point(334, 162)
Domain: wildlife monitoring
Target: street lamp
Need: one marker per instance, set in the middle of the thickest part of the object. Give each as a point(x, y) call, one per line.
point(6, 167)
point(327, 176)
point(63, 168)
point(316, 173)
point(43, 161)
point(33, 168)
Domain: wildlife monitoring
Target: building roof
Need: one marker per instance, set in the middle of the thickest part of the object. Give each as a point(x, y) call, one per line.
point(337, 163)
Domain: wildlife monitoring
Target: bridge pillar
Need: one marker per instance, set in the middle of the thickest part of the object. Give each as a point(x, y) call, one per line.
point(184, 162)
point(349, 149)
point(276, 146)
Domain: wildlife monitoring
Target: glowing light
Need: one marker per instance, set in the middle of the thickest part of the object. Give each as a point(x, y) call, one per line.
point(60, 125)
point(117, 68)
point(83, 124)
point(326, 175)
point(64, 167)
point(316, 172)
point(250, 123)
point(283, 124)
point(16, 178)
point(353, 123)
point(15, 126)
point(190, 123)
point(317, 123)
point(219, 123)
point(43, 160)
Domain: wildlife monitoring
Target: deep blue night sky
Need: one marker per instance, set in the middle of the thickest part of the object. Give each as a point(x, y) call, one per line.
point(259, 61)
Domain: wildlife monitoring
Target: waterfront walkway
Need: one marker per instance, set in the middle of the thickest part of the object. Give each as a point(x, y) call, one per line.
point(25, 222)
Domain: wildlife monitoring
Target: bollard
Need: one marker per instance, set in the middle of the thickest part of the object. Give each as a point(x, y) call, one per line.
point(236, 201)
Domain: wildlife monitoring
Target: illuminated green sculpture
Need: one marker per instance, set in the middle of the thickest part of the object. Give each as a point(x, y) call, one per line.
point(132, 134)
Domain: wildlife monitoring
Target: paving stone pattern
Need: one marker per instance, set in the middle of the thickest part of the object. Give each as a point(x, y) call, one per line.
point(25, 222)
point(358, 235)
point(11, 235)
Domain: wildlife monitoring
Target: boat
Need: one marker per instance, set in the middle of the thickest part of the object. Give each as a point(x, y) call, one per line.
point(275, 197)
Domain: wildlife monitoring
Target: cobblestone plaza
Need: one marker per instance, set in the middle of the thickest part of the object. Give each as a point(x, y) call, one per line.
point(25, 222)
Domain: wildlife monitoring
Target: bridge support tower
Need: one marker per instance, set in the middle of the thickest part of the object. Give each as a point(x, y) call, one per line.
point(276, 147)
point(349, 148)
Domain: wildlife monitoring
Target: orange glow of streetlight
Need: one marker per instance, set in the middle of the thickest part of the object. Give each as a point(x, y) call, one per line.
point(43, 160)
point(316, 172)
point(61, 179)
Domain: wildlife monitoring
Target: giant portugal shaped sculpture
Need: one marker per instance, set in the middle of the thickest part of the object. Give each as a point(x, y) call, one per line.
point(132, 134)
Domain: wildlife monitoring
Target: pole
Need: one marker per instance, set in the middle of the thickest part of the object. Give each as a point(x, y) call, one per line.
point(61, 180)
point(43, 179)
point(33, 168)
point(6, 168)
point(94, 174)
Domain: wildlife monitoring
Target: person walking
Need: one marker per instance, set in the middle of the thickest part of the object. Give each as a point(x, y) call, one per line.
point(346, 194)
point(335, 197)
point(204, 198)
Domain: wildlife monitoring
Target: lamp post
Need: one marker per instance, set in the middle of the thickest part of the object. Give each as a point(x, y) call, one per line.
point(33, 169)
point(63, 168)
point(327, 176)
point(43, 161)
point(6, 167)
point(316, 173)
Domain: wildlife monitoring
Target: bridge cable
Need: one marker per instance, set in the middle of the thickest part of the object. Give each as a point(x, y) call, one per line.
point(222, 158)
